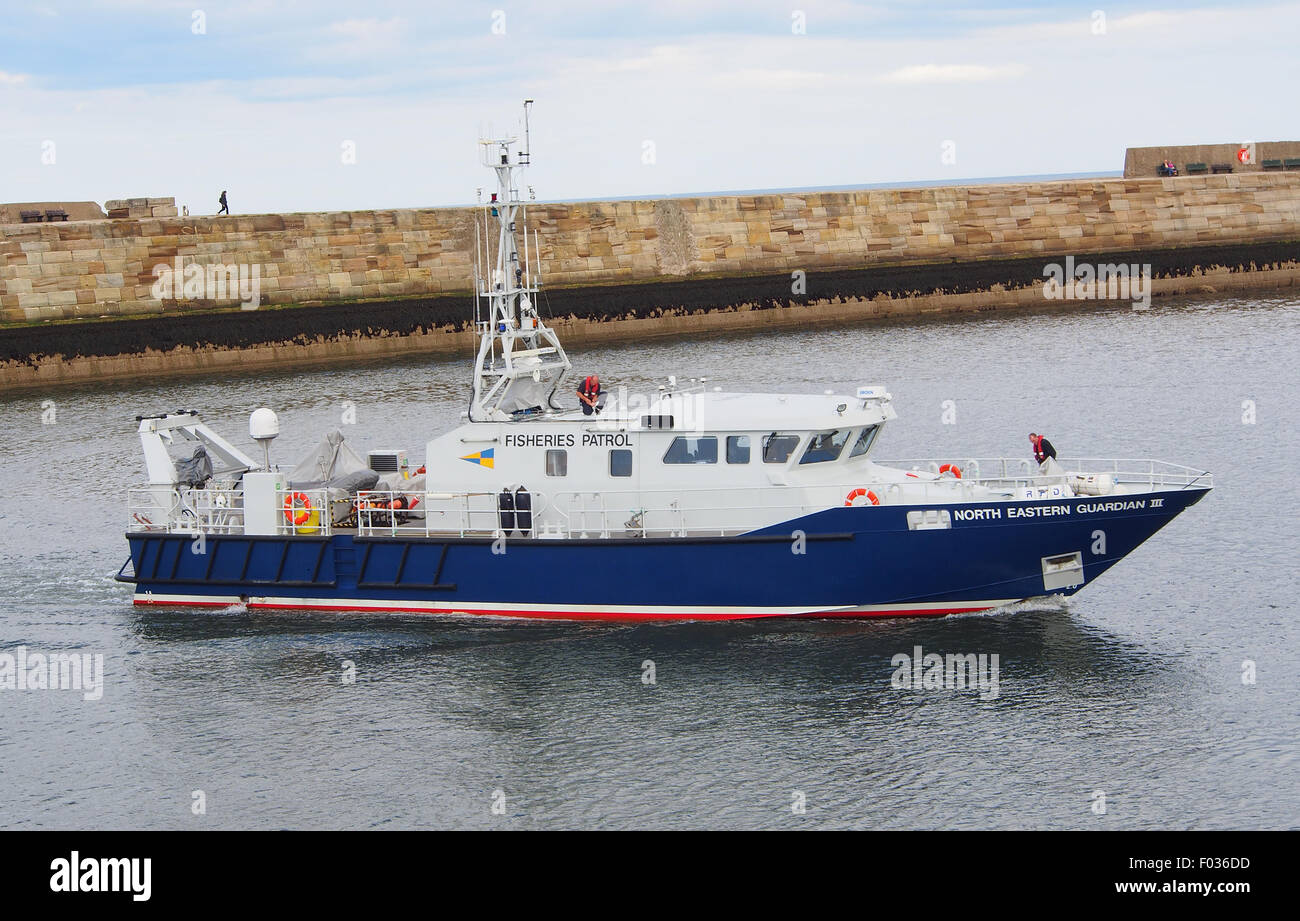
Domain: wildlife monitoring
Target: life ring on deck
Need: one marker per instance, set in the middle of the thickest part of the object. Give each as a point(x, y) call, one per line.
point(299, 501)
point(950, 468)
point(859, 493)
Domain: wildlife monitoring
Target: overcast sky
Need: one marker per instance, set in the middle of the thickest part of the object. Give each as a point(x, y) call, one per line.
point(154, 98)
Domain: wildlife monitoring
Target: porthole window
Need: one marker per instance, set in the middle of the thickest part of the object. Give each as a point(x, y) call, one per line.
point(825, 447)
point(737, 449)
point(687, 450)
point(620, 462)
point(863, 444)
point(778, 448)
point(557, 462)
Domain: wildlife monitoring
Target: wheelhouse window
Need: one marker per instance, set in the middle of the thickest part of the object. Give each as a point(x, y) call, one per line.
point(686, 450)
point(825, 447)
point(778, 448)
point(557, 462)
point(863, 444)
point(620, 462)
point(737, 449)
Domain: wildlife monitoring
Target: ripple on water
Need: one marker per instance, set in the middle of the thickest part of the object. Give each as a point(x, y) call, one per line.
point(1133, 687)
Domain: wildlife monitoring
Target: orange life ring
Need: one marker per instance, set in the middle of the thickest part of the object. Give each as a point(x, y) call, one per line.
point(871, 497)
point(950, 468)
point(303, 504)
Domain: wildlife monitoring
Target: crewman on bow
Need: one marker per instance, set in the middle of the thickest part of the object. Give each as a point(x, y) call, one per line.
point(1042, 448)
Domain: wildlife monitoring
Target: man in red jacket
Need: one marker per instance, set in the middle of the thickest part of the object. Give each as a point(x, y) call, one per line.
point(589, 395)
point(1042, 448)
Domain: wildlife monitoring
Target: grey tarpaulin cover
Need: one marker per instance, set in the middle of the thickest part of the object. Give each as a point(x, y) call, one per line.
point(196, 471)
point(332, 463)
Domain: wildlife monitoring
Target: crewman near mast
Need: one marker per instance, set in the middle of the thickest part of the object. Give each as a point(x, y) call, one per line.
point(589, 394)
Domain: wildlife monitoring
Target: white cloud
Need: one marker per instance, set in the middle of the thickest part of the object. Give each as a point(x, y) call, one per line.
point(725, 111)
point(773, 80)
point(951, 73)
point(360, 37)
point(368, 30)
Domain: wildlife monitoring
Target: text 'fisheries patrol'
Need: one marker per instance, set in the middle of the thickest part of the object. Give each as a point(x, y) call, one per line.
point(566, 440)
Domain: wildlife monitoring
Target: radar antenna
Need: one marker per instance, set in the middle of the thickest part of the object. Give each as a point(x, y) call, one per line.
point(520, 363)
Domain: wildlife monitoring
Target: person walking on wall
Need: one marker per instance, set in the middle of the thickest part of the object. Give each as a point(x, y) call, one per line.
point(225, 206)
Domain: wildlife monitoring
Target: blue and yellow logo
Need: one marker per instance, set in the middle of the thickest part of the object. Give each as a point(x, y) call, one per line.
point(482, 458)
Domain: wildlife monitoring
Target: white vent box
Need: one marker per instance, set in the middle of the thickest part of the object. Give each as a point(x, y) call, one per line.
point(387, 461)
point(1064, 571)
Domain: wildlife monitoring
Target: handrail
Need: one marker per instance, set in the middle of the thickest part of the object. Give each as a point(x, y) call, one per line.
point(1154, 473)
point(679, 518)
point(679, 512)
point(172, 509)
point(216, 510)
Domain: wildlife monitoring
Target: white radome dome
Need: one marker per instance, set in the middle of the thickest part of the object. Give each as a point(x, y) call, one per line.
point(263, 423)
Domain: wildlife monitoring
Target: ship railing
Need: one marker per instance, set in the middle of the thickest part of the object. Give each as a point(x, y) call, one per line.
point(173, 510)
point(220, 510)
point(591, 514)
point(682, 512)
point(1019, 472)
point(316, 516)
point(391, 513)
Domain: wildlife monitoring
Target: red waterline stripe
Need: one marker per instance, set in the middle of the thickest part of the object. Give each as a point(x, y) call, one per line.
point(569, 615)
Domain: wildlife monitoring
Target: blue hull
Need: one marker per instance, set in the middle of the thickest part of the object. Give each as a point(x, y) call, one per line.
point(857, 562)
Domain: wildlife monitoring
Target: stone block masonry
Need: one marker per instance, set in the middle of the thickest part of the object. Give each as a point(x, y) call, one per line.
point(106, 268)
point(140, 207)
point(382, 282)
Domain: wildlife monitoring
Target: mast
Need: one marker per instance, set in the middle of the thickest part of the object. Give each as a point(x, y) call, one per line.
point(520, 363)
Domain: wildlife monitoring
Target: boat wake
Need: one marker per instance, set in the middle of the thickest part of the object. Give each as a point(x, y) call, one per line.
point(1049, 604)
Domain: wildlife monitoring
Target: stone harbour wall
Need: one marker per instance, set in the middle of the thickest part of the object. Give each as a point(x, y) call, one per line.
point(94, 269)
point(78, 299)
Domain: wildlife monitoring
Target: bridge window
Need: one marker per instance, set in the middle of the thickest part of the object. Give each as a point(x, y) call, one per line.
point(778, 448)
point(826, 446)
point(863, 444)
point(737, 449)
point(685, 450)
point(557, 462)
point(620, 462)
